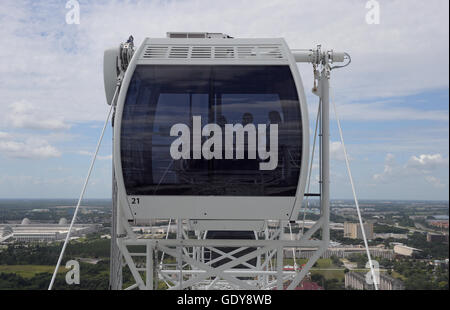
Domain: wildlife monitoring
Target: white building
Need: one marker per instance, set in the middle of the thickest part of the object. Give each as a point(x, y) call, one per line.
point(390, 236)
point(31, 232)
point(357, 281)
point(341, 252)
point(353, 230)
point(404, 250)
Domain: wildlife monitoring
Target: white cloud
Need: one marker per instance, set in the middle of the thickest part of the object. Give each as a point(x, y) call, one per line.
point(99, 157)
point(4, 135)
point(387, 111)
point(427, 162)
point(337, 151)
point(23, 114)
point(389, 165)
point(418, 166)
point(105, 157)
point(434, 181)
point(31, 148)
point(61, 65)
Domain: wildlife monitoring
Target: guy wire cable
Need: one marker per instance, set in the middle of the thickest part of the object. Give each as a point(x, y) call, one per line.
point(66, 241)
point(354, 196)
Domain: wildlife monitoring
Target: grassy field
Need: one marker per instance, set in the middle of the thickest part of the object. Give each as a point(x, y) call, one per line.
point(322, 263)
point(28, 271)
point(330, 274)
point(321, 267)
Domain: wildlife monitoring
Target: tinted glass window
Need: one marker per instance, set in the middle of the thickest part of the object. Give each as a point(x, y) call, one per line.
point(246, 107)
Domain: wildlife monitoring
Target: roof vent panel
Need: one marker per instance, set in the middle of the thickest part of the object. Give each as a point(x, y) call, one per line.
point(155, 52)
point(270, 52)
point(224, 52)
point(201, 52)
point(246, 51)
point(211, 52)
point(179, 52)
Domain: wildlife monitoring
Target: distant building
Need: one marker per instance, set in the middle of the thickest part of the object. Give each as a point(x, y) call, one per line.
point(40, 210)
point(340, 252)
point(417, 217)
point(439, 223)
point(439, 263)
point(336, 226)
point(357, 281)
point(353, 230)
point(404, 250)
point(440, 217)
point(38, 232)
point(390, 236)
point(437, 238)
point(38, 236)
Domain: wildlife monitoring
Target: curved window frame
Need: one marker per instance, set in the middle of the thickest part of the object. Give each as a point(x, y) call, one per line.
point(234, 68)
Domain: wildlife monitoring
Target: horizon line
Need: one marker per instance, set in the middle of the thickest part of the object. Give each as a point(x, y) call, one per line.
point(309, 198)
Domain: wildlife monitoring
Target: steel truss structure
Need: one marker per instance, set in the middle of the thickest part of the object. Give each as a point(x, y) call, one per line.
point(194, 270)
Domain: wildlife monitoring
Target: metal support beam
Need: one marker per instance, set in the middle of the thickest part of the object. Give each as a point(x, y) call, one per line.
point(324, 171)
point(115, 267)
point(325, 153)
point(149, 265)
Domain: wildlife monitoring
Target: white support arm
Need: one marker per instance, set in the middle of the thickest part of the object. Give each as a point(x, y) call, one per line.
point(316, 56)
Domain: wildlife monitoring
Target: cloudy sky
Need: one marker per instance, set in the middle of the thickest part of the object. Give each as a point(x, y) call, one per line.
point(393, 100)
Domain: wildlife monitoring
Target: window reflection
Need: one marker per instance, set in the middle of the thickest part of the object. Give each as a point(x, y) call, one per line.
point(161, 96)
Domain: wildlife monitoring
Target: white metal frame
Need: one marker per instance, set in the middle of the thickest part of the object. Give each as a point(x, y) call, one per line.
point(198, 274)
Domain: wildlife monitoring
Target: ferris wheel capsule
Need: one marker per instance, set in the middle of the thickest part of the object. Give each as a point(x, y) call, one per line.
point(209, 127)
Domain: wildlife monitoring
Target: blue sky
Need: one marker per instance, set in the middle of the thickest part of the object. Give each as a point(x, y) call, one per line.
point(393, 99)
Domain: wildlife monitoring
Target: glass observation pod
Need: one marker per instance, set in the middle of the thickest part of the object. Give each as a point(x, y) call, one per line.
point(211, 129)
